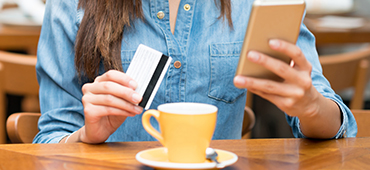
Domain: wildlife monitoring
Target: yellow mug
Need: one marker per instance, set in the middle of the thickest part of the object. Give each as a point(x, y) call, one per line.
point(186, 129)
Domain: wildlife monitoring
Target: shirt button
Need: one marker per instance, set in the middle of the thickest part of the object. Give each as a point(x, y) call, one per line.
point(160, 15)
point(177, 64)
point(187, 7)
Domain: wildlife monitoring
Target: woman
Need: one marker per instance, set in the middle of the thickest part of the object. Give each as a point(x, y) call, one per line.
point(81, 101)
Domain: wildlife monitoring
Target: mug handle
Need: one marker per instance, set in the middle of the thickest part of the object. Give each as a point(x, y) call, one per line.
point(148, 127)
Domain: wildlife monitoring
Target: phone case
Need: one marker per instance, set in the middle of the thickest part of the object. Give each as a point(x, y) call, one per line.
point(269, 19)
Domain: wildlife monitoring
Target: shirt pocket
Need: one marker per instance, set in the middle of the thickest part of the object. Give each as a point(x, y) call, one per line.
point(224, 60)
point(126, 57)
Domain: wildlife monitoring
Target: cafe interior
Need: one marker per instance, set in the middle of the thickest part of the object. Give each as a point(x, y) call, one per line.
point(342, 32)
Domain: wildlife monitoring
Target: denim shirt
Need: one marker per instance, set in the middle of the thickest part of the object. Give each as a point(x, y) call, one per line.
point(206, 46)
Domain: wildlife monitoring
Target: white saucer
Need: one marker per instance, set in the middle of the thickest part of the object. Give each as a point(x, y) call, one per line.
point(157, 158)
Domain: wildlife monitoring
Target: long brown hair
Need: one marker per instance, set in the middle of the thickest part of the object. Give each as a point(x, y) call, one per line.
point(101, 31)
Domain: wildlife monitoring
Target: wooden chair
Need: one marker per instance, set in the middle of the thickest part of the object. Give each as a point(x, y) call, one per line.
point(17, 77)
point(249, 117)
point(363, 122)
point(348, 70)
point(22, 127)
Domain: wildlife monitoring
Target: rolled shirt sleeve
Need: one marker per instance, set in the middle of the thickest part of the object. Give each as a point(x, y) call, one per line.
point(306, 42)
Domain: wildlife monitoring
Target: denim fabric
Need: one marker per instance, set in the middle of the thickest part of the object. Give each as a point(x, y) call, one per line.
point(206, 46)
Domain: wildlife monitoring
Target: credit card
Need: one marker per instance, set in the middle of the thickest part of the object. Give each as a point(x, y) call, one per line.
point(148, 68)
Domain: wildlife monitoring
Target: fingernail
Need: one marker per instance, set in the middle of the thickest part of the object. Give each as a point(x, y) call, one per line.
point(239, 80)
point(132, 84)
point(253, 55)
point(274, 43)
point(136, 98)
point(138, 109)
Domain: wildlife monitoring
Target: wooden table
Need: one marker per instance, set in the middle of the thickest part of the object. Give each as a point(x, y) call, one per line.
point(24, 38)
point(338, 36)
point(19, 38)
point(350, 153)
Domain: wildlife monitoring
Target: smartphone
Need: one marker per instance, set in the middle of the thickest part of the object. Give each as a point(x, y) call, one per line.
point(270, 19)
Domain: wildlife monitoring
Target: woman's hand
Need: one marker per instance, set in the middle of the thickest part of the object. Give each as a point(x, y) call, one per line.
point(107, 102)
point(295, 95)
point(296, 92)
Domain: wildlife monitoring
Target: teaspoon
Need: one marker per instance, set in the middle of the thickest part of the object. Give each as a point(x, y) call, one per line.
point(211, 154)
